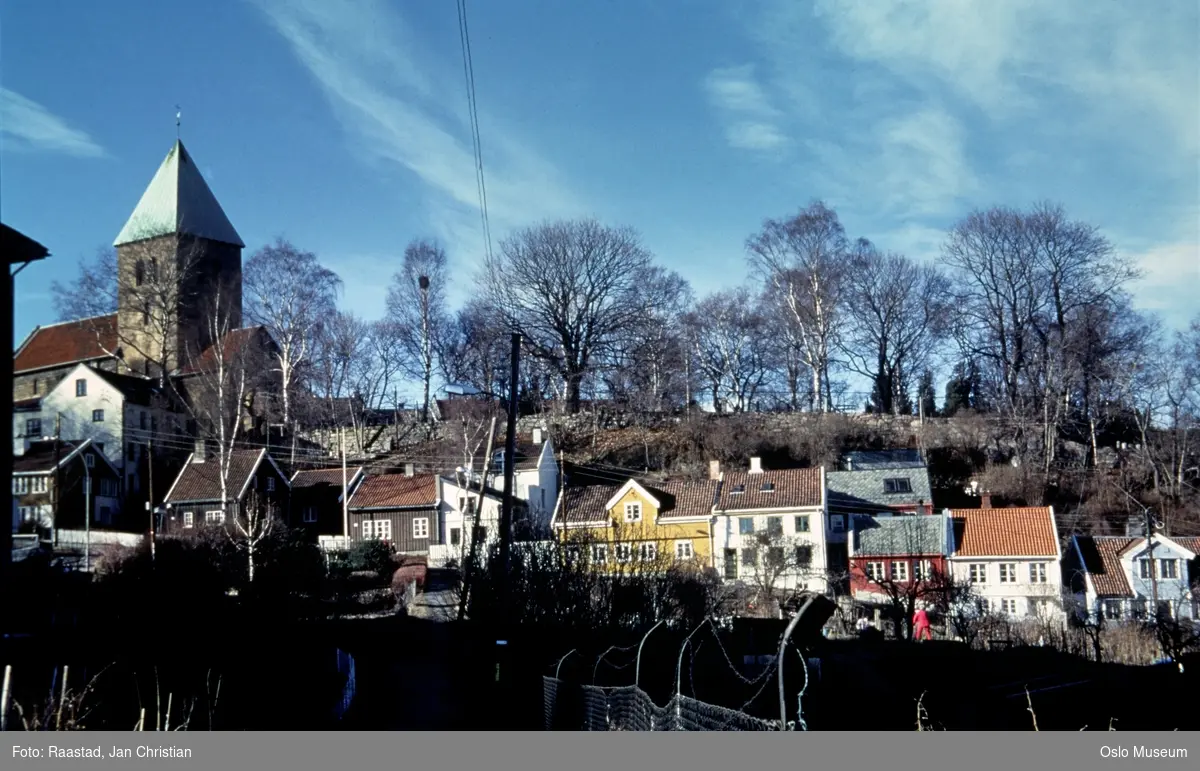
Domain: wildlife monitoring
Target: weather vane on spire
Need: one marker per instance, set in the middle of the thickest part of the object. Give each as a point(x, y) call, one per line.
point(178, 115)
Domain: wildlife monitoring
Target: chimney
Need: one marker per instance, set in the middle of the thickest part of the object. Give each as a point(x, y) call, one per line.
point(714, 470)
point(537, 436)
point(756, 465)
point(408, 469)
point(848, 463)
point(200, 453)
point(985, 500)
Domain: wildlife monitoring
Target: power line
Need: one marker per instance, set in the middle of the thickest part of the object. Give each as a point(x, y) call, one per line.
point(473, 115)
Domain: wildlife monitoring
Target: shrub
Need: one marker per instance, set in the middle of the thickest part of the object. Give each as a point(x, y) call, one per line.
point(373, 556)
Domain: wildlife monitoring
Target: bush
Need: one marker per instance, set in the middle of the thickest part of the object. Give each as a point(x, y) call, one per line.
point(372, 556)
point(408, 574)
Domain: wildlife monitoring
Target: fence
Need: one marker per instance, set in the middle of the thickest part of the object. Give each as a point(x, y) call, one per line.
point(79, 538)
point(573, 707)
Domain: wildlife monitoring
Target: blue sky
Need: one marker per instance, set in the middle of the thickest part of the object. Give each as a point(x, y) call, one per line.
point(343, 125)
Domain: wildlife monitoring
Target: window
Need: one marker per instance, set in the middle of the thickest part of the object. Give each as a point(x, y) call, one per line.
point(874, 571)
point(775, 556)
point(97, 416)
point(377, 529)
point(131, 451)
point(774, 526)
point(624, 552)
point(456, 536)
point(1008, 572)
point(599, 553)
point(683, 550)
point(270, 484)
point(33, 427)
point(737, 490)
point(35, 386)
point(153, 270)
point(746, 525)
point(189, 519)
point(802, 524)
point(421, 527)
point(922, 570)
point(89, 460)
point(899, 485)
point(633, 512)
point(1008, 606)
point(750, 557)
point(837, 524)
point(480, 534)
point(804, 556)
point(1139, 607)
point(142, 420)
point(310, 513)
point(731, 564)
point(1112, 609)
point(81, 387)
point(767, 487)
point(648, 552)
point(139, 273)
point(899, 571)
point(214, 517)
point(1168, 568)
point(978, 572)
point(146, 316)
point(1144, 569)
point(1164, 609)
point(1037, 573)
point(572, 552)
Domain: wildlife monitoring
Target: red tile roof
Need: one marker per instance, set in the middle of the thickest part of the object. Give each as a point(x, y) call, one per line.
point(1102, 561)
point(395, 491)
point(67, 343)
point(1015, 532)
point(202, 481)
point(319, 477)
point(585, 503)
point(792, 488)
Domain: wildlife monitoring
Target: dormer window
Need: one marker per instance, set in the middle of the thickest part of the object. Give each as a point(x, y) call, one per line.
point(633, 512)
point(737, 490)
point(767, 487)
point(898, 485)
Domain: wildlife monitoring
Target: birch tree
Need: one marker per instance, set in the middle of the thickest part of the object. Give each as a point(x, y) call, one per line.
point(416, 305)
point(802, 259)
point(290, 293)
point(730, 348)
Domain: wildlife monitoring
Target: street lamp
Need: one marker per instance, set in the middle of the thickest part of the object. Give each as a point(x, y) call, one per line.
point(87, 514)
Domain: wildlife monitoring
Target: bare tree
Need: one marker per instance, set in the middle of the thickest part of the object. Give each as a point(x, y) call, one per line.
point(897, 310)
point(291, 294)
point(93, 292)
point(416, 304)
point(802, 258)
point(730, 347)
point(897, 562)
point(476, 353)
point(574, 290)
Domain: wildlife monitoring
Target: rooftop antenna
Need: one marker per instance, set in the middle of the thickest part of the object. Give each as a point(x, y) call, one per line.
point(178, 116)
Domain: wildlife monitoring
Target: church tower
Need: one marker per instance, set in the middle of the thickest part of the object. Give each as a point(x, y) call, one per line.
point(179, 268)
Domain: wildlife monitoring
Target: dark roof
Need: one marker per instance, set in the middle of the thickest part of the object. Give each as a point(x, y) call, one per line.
point(1017, 532)
point(306, 479)
point(788, 488)
point(678, 500)
point(39, 456)
point(881, 459)
point(27, 405)
point(70, 342)
point(866, 491)
point(880, 535)
point(202, 481)
point(18, 247)
point(395, 491)
point(527, 454)
point(137, 390)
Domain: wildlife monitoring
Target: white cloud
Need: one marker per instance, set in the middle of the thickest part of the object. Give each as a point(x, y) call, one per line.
point(750, 120)
point(403, 105)
point(1170, 275)
point(32, 126)
point(922, 166)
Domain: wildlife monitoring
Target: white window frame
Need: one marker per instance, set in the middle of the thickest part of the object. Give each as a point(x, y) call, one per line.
point(633, 511)
point(1145, 572)
point(1162, 568)
point(624, 553)
point(270, 484)
point(1008, 572)
point(310, 514)
point(377, 529)
point(1008, 606)
point(600, 553)
point(684, 550)
point(805, 520)
point(837, 524)
point(420, 527)
point(874, 571)
point(189, 520)
point(1111, 609)
point(214, 517)
point(89, 460)
point(647, 551)
point(922, 570)
point(81, 387)
point(978, 573)
point(1038, 573)
point(900, 571)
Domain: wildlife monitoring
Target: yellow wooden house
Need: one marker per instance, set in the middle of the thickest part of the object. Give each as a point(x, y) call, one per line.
point(640, 526)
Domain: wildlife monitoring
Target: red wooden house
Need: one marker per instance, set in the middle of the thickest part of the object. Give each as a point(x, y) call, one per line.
point(899, 555)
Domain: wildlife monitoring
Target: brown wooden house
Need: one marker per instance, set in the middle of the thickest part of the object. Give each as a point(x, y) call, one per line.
point(317, 498)
point(195, 499)
point(54, 482)
point(401, 509)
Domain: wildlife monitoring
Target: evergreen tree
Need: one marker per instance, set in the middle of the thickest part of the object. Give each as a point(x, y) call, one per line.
point(926, 396)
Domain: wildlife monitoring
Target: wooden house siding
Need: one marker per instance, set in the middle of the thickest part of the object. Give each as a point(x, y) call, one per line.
point(401, 527)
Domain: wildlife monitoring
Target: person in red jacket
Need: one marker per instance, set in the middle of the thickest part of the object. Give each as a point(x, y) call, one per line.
point(921, 625)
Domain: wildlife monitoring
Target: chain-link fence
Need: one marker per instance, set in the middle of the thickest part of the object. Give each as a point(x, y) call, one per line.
point(575, 707)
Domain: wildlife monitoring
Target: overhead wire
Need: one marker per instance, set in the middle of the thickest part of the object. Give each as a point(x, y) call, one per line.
point(473, 118)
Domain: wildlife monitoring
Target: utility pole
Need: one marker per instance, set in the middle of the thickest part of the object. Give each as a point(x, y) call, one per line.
point(150, 491)
point(345, 495)
point(87, 515)
point(57, 476)
point(426, 348)
point(473, 553)
point(1153, 572)
point(510, 451)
